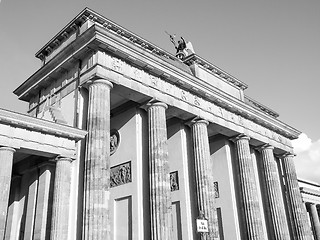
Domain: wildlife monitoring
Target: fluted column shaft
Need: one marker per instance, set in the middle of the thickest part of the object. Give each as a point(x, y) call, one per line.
point(275, 205)
point(299, 218)
point(160, 193)
point(6, 162)
point(248, 190)
point(44, 198)
point(97, 163)
point(204, 177)
point(61, 199)
point(315, 220)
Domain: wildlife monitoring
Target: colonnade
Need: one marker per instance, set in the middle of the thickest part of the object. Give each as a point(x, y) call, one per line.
point(61, 194)
point(96, 221)
point(160, 196)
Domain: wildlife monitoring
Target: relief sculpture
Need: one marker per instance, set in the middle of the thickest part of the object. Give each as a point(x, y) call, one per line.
point(183, 95)
point(216, 189)
point(117, 65)
point(114, 141)
point(120, 174)
point(174, 181)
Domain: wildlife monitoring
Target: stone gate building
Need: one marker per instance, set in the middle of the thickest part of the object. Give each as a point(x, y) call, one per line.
point(124, 140)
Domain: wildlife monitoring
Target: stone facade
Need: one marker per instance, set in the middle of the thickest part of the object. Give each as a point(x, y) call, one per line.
point(127, 141)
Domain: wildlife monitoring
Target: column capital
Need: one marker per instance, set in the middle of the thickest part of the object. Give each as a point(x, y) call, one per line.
point(4, 148)
point(197, 120)
point(154, 102)
point(94, 81)
point(264, 147)
point(62, 158)
point(287, 154)
point(240, 136)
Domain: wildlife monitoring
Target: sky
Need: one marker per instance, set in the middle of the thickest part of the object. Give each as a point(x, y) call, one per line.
point(273, 46)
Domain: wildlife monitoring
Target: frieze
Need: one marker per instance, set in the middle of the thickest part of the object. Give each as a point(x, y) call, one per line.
point(154, 81)
point(174, 181)
point(137, 73)
point(196, 101)
point(117, 65)
point(183, 95)
point(120, 174)
point(221, 112)
point(217, 108)
point(241, 120)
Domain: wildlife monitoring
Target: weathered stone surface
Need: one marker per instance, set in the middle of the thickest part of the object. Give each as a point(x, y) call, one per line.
point(160, 191)
point(13, 209)
point(278, 228)
point(249, 202)
point(6, 161)
point(204, 178)
point(299, 218)
point(44, 202)
point(97, 163)
point(61, 200)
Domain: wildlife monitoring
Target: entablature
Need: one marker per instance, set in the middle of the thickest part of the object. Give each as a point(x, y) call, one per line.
point(18, 120)
point(32, 136)
point(96, 39)
point(125, 48)
point(310, 191)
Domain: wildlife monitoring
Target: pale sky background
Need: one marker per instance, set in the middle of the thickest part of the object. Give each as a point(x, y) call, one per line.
point(273, 46)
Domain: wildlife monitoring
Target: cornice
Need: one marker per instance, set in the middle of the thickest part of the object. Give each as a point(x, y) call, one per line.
point(40, 125)
point(260, 106)
point(310, 191)
point(304, 181)
point(70, 54)
point(88, 14)
point(195, 59)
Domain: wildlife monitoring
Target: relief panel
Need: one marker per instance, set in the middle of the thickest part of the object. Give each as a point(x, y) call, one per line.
point(174, 181)
point(120, 174)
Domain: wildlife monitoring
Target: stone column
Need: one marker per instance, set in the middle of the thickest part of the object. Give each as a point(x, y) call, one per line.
point(6, 162)
point(160, 192)
point(315, 220)
point(13, 209)
point(97, 163)
point(249, 202)
point(278, 228)
point(44, 199)
point(299, 218)
point(61, 199)
point(204, 177)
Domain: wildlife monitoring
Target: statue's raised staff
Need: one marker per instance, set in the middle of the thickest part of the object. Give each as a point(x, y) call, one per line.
point(183, 48)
